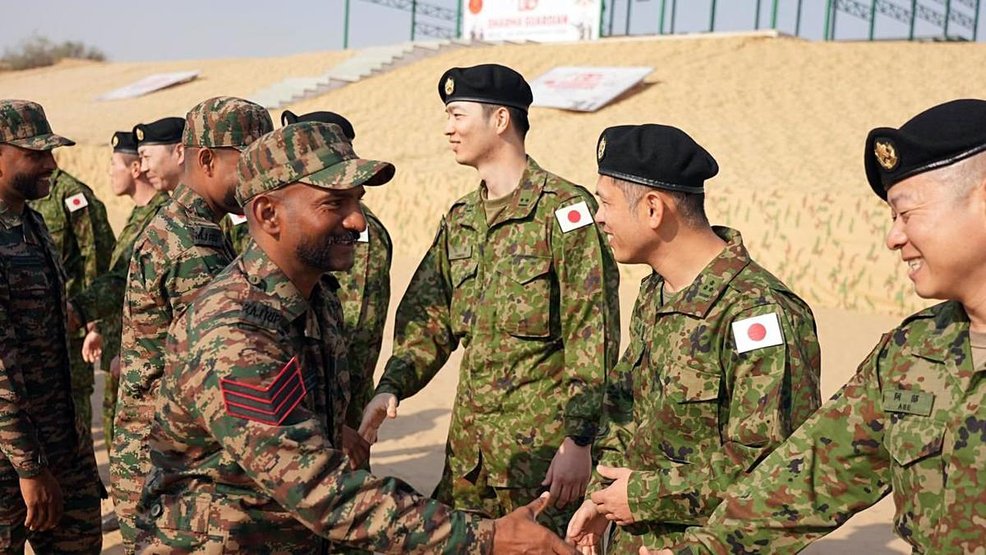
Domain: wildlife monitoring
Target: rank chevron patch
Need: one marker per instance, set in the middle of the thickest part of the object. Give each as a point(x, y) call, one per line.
point(267, 405)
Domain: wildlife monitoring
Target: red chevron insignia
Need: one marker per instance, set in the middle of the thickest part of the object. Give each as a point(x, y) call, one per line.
point(267, 405)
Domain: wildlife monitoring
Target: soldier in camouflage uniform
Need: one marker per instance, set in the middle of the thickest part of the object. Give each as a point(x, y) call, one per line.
point(82, 235)
point(364, 289)
point(522, 278)
point(723, 361)
point(181, 250)
point(913, 419)
point(256, 382)
point(49, 487)
point(103, 299)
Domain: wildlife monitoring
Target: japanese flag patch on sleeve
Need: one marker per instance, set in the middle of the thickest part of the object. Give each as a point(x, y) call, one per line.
point(76, 202)
point(236, 219)
point(267, 405)
point(573, 216)
point(757, 332)
point(364, 236)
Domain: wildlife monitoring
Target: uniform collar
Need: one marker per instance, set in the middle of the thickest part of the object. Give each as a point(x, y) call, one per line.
point(264, 276)
point(159, 199)
point(8, 218)
point(194, 203)
point(699, 297)
point(945, 334)
point(522, 201)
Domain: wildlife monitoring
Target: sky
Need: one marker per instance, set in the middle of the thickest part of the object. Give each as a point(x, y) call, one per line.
point(196, 29)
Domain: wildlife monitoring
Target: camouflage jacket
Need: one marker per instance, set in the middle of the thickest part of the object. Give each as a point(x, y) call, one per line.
point(79, 229)
point(537, 310)
point(237, 232)
point(365, 295)
point(912, 421)
point(694, 404)
point(103, 299)
point(38, 426)
point(244, 440)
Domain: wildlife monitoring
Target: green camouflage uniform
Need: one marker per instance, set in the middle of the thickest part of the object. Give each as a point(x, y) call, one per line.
point(180, 251)
point(103, 300)
point(82, 234)
point(912, 422)
point(246, 430)
point(237, 232)
point(39, 426)
point(689, 409)
point(537, 310)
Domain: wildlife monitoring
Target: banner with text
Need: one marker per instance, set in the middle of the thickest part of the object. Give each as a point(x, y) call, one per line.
point(533, 20)
point(585, 89)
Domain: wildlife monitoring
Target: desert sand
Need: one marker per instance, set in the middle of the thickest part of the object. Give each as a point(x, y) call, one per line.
point(784, 117)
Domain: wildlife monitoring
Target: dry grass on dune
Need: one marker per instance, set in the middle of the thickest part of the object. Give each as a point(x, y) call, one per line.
point(784, 117)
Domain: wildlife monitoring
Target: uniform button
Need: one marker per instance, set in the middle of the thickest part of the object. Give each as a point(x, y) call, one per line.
point(254, 280)
point(156, 510)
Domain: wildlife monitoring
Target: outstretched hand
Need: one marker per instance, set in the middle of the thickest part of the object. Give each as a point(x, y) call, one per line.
point(518, 532)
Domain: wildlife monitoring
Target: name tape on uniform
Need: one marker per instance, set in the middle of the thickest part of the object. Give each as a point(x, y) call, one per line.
point(364, 236)
point(236, 219)
point(75, 202)
point(757, 332)
point(573, 216)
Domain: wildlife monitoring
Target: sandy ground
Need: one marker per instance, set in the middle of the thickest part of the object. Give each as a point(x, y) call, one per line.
point(412, 446)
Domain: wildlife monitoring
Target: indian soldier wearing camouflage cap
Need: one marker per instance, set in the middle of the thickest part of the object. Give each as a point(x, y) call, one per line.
point(102, 301)
point(49, 487)
point(723, 361)
point(912, 421)
point(161, 152)
point(519, 275)
point(181, 250)
point(250, 410)
point(82, 234)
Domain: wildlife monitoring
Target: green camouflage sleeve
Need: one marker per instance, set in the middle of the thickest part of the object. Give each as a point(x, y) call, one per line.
point(756, 420)
point(366, 314)
point(94, 236)
point(832, 467)
point(104, 296)
point(589, 311)
point(423, 337)
point(297, 466)
point(19, 442)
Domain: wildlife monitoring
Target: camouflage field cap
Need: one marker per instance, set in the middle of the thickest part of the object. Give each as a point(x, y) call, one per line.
point(226, 121)
point(310, 152)
point(23, 123)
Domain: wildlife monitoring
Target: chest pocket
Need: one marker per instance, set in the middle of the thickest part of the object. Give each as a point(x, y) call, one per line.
point(914, 438)
point(525, 309)
point(29, 276)
point(462, 270)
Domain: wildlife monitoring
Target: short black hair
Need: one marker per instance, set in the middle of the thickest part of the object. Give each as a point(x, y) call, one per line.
point(517, 116)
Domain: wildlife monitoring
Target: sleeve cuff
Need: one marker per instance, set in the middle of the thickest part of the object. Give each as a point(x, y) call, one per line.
point(580, 427)
point(641, 488)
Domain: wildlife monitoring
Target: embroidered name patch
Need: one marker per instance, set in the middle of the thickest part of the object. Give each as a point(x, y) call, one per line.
point(267, 405)
point(908, 401)
point(261, 314)
point(208, 237)
point(460, 253)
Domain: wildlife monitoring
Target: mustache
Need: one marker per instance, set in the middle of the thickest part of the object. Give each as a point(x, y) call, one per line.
point(345, 238)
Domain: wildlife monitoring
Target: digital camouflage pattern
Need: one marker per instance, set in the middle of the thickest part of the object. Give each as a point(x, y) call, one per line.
point(537, 311)
point(910, 422)
point(23, 123)
point(225, 122)
point(102, 300)
point(689, 413)
point(312, 153)
point(39, 427)
point(180, 251)
point(231, 477)
point(82, 235)
point(365, 296)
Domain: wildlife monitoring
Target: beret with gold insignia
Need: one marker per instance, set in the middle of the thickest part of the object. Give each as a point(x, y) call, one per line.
point(935, 138)
point(653, 155)
point(165, 131)
point(487, 84)
point(288, 117)
point(124, 142)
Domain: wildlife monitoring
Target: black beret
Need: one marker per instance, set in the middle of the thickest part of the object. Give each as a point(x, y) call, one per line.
point(655, 155)
point(165, 131)
point(937, 137)
point(124, 142)
point(288, 117)
point(488, 84)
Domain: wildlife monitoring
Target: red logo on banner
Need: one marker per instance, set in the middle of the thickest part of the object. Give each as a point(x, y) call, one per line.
point(475, 6)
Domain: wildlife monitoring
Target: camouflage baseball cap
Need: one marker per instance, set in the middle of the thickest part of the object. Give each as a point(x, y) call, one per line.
point(23, 123)
point(313, 153)
point(226, 121)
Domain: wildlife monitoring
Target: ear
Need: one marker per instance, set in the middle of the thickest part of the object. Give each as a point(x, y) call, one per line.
point(265, 213)
point(206, 159)
point(135, 169)
point(653, 208)
point(180, 153)
point(501, 120)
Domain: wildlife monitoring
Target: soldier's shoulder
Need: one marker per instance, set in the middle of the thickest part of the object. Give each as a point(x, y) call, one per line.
point(562, 191)
point(933, 320)
point(756, 286)
point(463, 203)
point(221, 301)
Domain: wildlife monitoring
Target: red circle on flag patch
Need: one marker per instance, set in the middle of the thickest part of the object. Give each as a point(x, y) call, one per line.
point(76, 201)
point(756, 332)
point(574, 216)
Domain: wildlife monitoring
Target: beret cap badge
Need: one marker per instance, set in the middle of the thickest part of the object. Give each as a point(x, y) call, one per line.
point(115, 141)
point(886, 154)
point(449, 86)
point(602, 149)
point(140, 134)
